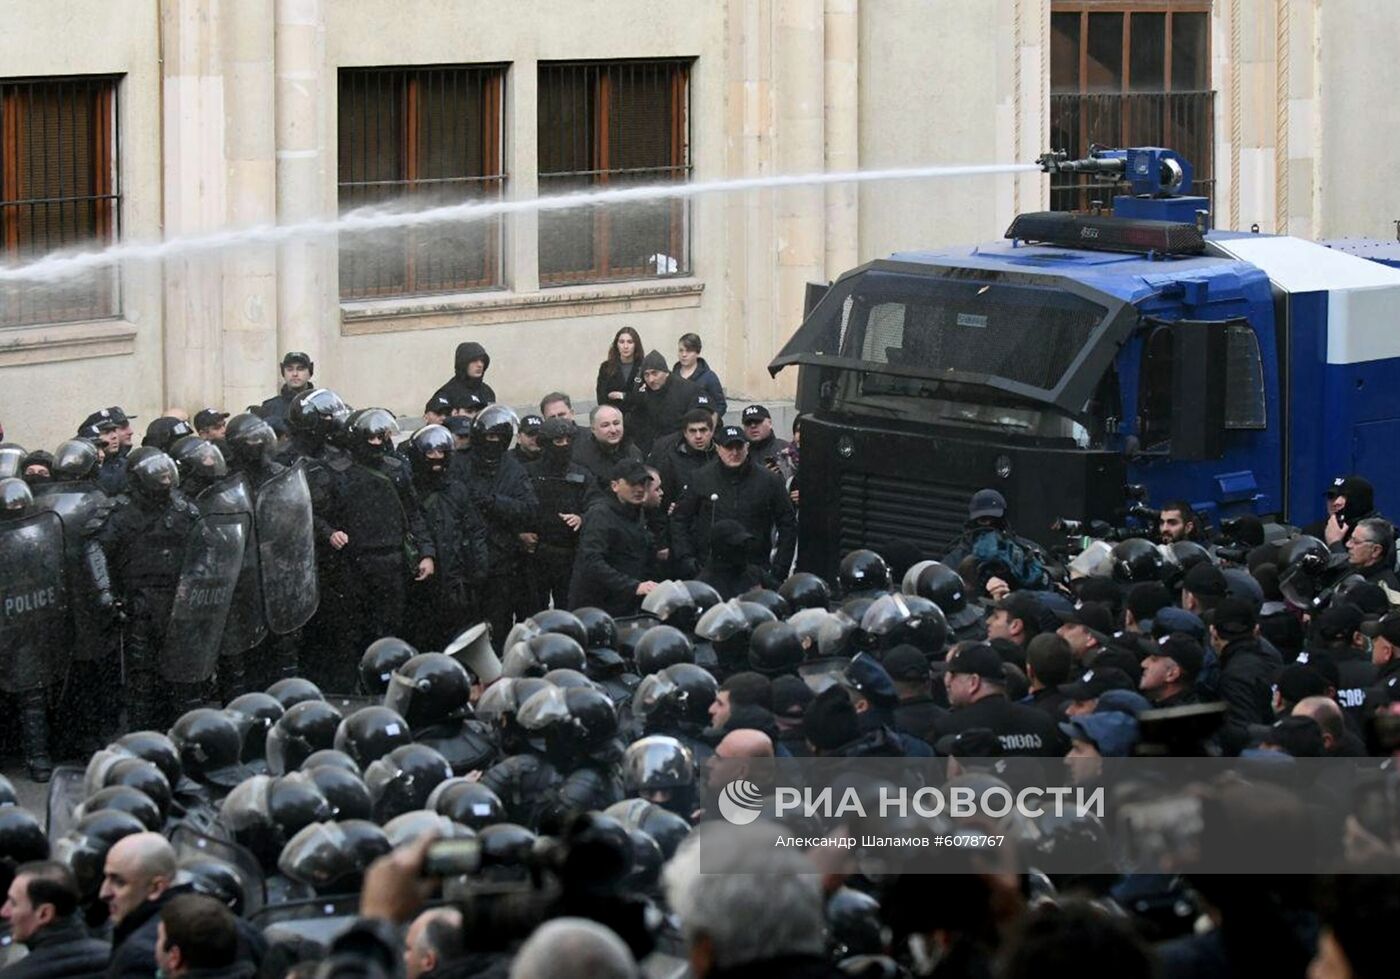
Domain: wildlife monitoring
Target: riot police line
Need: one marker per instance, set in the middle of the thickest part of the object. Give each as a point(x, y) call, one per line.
point(573, 752)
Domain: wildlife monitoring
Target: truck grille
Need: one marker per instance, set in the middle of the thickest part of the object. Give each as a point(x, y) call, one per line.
point(876, 509)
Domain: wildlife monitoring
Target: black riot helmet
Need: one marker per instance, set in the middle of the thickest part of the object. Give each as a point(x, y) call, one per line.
point(630, 632)
point(382, 657)
point(345, 791)
point(658, 764)
point(250, 439)
point(330, 758)
point(305, 728)
point(769, 599)
point(661, 647)
point(775, 649)
point(568, 724)
point(313, 413)
point(549, 621)
point(727, 629)
point(409, 826)
point(123, 798)
point(22, 839)
point(403, 779)
point(492, 431)
point(263, 813)
point(137, 774)
point(1181, 556)
point(331, 857)
point(703, 595)
point(431, 688)
point(1136, 560)
point(506, 850)
point(11, 460)
point(294, 690)
point(538, 655)
point(1304, 572)
point(210, 747)
point(198, 459)
point(16, 498)
point(218, 879)
point(863, 571)
point(371, 733)
point(926, 627)
point(73, 460)
point(156, 748)
point(854, 926)
point(944, 587)
point(254, 714)
point(671, 602)
point(83, 848)
point(370, 433)
point(600, 631)
point(679, 694)
point(805, 590)
point(647, 862)
point(151, 474)
point(468, 803)
point(567, 679)
point(665, 827)
point(430, 438)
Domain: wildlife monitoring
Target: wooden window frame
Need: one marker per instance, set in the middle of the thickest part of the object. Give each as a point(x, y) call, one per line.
point(601, 171)
point(410, 81)
point(101, 297)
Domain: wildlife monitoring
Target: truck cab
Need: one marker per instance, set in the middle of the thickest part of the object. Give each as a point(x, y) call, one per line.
point(1238, 372)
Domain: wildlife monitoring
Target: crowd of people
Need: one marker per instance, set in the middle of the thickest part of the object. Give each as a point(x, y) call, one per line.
point(491, 706)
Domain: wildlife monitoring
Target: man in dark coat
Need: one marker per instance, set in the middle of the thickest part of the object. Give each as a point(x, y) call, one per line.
point(469, 376)
point(502, 491)
point(565, 491)
point(605, 446)
point(1350, 500)
point(1246, 672)
point(41, 909)
point(297, 368)
point(136, 880)
point(663, 402)
point(612, 569)
point(678, 459)
point(734, 487)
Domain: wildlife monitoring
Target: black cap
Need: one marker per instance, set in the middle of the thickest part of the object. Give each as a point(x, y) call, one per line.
point(458, 424)
point(95, 424)
point(1206, 580)
point(755, 413)
point(296, 357)
point(1369, 597)
point(531, 424)
point(975, 742)
point(1094, 616)
point(830, 719)
point(702, 400)
point(208, 417)
point(631, 470)
point(979, 659)
point(905, 662)
point(1095, 682)
point(119, 415)
point(1234, 618)
point(471, 402)
point(1186, 652)
point(1300, 736)
point(731, 435)
point(1296, 681)
point(1387, 627)
point(790, 697)
point(1146, 599)
point(986, 503)
point(1338, 623)
point(439, 404)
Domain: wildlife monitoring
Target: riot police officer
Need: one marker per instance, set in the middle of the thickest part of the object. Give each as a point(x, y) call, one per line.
point(565, 491)
point(501, 490)
point(377, 518)
point(136, 557)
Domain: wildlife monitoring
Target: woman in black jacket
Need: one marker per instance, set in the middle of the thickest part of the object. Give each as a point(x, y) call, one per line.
point(620, 376)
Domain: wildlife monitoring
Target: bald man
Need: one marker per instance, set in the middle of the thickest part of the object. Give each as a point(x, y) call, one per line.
point(434, 940)
point(136, 883)
point(574, 948)
point(735, 757)
point(1337, 738)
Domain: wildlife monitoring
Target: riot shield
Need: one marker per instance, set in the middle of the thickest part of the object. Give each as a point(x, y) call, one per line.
point(65, 794)
point(286, 550)
point(35, 635)
point(208, 584)
point(77, 508)
point(244, 627)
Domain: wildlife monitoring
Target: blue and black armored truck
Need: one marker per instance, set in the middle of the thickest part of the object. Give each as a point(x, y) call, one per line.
point(1089, 353)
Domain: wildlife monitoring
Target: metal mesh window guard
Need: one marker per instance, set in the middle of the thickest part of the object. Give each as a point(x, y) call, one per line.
point(613, 124)
point(415, 138)
point(1130, 74)
point(58, 190)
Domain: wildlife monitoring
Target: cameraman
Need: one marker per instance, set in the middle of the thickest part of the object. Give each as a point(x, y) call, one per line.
point(987, 536)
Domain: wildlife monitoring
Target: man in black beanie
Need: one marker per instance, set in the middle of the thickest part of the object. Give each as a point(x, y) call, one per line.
point(833, 729)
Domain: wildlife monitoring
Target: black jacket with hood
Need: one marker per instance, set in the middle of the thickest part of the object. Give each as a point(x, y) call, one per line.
point(461, 385)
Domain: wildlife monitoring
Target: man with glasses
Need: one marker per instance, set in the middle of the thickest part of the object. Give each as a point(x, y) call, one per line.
point(764, 446)
point(1371, 552)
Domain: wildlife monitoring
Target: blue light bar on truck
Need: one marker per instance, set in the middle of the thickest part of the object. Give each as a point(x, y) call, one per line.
point(1102, 233)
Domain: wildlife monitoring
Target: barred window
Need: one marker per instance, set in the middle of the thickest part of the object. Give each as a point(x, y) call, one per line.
point(1130, 73)
point(58, 189)
point(417, 138)
point(607, 125)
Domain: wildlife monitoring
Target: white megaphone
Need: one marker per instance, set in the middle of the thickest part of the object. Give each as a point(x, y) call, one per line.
point(472, 649)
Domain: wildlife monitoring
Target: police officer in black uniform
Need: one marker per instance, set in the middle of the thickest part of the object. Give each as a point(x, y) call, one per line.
point(1336, 637)
point(614, 564)
point(977, 695)
point(297, 370)
point(734, 487)
point(379, 526)
point(502, 492)
point(527, 447)
point(565, 491)
point(136, 558)
point(101, 429)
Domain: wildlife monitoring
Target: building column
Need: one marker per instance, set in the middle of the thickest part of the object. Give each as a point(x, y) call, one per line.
point(842, 133)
